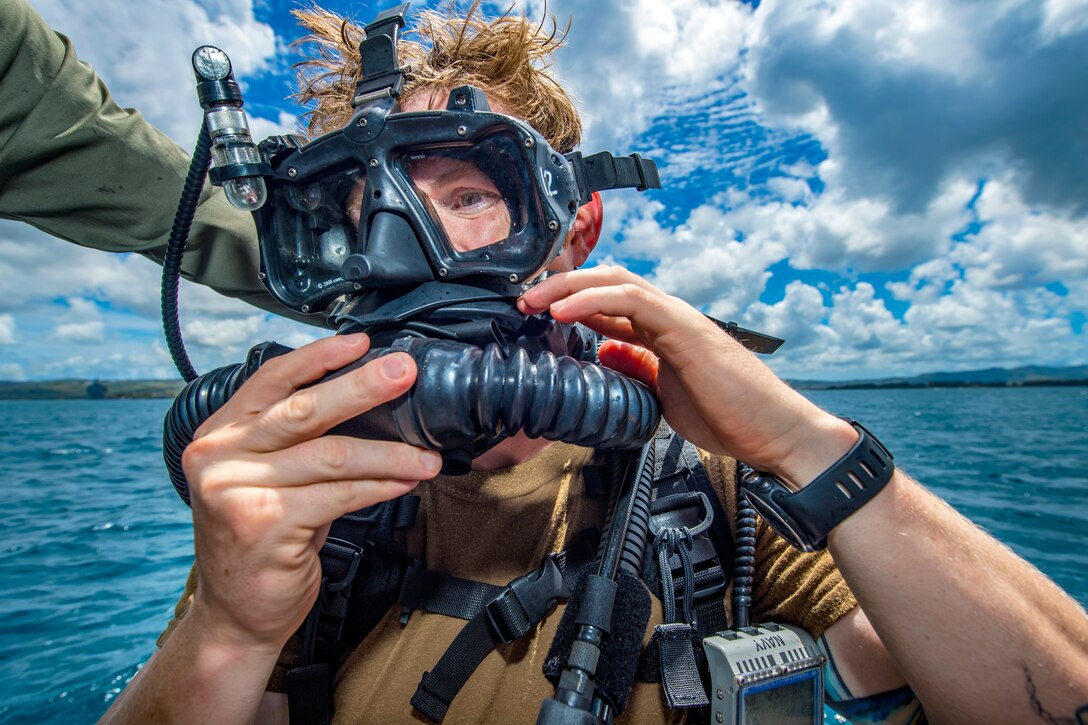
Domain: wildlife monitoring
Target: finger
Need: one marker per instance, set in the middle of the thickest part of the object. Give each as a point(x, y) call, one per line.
point(559, 286)
point(648, 310)
point(316, 506)
point(308, 413)
point(631, 360)
point(334, 458)
point(616, 328)
point(283, 375)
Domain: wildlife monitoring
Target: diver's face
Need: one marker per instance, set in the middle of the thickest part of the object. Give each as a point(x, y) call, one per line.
point(465, 200)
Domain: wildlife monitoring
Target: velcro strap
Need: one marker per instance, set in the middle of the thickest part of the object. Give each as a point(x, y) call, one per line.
point(679, 671)
point(309, 696)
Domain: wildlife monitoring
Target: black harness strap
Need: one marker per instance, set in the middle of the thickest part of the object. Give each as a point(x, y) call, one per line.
point(361, 570)
point(440, 593)
point(508, 615)
point(690, 536)
point(603, 171)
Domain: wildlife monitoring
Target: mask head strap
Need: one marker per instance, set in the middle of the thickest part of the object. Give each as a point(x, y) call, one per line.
point(604, 171)
point(382, 77)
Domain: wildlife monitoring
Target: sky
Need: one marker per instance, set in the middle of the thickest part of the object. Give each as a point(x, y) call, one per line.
point(894, 188)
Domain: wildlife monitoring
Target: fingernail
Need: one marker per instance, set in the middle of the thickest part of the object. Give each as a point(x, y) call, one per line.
point(556, 306)
point(394, 367)
point(431, 460)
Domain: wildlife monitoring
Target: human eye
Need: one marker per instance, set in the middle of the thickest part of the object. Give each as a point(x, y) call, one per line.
point(470, 201)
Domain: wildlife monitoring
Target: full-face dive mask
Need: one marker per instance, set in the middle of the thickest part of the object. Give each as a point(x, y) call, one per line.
point(421, 229)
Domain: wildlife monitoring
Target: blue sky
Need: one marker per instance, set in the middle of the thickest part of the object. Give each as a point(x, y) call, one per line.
point(893, 188)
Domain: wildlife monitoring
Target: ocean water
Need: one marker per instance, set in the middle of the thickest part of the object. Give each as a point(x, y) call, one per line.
point(95, 545)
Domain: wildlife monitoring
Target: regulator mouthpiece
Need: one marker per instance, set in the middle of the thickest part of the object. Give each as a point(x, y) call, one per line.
point(237, 165)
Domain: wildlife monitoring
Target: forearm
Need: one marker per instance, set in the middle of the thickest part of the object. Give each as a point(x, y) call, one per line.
point(196, 677)
point(967, 621)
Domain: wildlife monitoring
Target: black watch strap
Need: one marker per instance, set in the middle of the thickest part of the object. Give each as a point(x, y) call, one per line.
point(804, 518)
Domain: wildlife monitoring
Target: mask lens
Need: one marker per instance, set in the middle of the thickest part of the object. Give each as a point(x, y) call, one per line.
point(316, 226)
point(476, 195)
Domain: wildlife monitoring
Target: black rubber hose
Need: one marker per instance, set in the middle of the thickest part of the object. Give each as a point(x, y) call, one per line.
point(462, 395)
point(195, 404)
point(175, 250)
point(624, 543)
point(744, 557)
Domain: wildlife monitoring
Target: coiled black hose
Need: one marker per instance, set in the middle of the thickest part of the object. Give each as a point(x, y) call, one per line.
point(632, 503)
point(194, 405)
point(744, 556)
point(175, 250)
point(464, 397)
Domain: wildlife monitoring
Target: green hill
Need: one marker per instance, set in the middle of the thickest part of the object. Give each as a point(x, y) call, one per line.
point(1028, 375)
point(76, 389)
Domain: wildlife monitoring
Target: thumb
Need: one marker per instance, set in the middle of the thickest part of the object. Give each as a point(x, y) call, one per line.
point(631, 360)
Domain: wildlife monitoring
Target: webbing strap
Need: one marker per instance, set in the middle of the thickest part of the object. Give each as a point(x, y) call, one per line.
point(519, 606)
point(604, 171)
point(440, 593)
point(361, 568)
point(511, 612)
point(310, 700)
point(690, 540)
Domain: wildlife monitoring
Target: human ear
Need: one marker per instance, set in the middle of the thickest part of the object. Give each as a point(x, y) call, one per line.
point(586, 230)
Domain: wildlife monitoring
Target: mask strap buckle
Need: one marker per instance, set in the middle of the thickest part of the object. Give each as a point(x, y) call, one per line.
point(382, 77)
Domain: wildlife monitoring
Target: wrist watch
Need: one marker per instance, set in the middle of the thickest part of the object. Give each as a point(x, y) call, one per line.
point(804, 518)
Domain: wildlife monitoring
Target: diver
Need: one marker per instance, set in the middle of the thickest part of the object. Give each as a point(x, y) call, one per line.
point(266, 485)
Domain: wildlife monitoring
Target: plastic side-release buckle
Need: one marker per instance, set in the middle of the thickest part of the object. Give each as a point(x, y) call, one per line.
point(340, 562)
point(526, 600)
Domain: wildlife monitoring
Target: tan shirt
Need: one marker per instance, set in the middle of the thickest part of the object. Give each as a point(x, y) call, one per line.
point(495, 526)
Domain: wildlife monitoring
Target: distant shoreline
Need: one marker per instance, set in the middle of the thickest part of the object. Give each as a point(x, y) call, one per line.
point(916, 386)
point(156, 389)
point(90, 389)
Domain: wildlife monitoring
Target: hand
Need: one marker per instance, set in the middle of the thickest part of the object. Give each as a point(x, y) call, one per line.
point(266, 485)
point(713, 392)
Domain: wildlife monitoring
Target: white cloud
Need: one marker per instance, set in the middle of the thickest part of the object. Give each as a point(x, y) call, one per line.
point(7, 330)
point(285, 123)
point(905, 95)
point(623, 56)
point(1063, 17)
point(143, 50)
point(12, 371)
point(80, 331)
point(233, 334)
point(80, 323)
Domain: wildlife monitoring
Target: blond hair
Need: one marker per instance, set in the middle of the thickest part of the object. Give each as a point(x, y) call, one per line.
point(506, 57)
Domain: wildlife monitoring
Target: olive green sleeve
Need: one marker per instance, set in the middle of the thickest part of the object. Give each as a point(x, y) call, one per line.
point(77, 166)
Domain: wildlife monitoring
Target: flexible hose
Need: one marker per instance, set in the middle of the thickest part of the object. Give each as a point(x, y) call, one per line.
point(195, 404)
point(622, 548)
point(462, 395)
point(175, 249)
point(744, 556)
